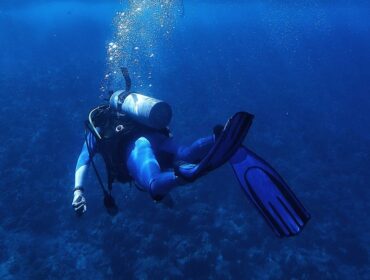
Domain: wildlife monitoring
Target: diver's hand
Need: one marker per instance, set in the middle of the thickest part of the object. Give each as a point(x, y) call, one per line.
point(79, 202)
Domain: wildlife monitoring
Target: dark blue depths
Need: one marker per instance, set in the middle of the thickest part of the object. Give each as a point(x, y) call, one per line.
point(302, 69)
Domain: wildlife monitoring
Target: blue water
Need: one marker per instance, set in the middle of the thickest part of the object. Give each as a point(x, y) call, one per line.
point(301, 67)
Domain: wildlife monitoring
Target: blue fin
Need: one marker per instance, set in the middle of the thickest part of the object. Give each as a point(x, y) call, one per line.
point(269, 193)
point(227, 143)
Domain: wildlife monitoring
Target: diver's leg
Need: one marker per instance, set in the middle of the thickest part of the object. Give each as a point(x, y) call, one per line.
point(196, 151)
point(145, 169)
point(193, 154)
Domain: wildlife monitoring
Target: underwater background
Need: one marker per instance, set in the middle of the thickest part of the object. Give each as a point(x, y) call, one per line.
point(302, 67)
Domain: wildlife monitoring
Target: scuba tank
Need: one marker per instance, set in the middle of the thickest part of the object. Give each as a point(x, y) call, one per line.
point(146, 110)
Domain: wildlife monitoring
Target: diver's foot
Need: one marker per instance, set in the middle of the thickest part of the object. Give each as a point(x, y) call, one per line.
point(180, 168)
point(229, 139)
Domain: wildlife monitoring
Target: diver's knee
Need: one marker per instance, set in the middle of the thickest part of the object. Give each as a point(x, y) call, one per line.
point(142, 141)
point(153, 191)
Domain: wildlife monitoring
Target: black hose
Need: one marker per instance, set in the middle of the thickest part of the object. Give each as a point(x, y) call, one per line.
point(105, 192)
point(126, 75)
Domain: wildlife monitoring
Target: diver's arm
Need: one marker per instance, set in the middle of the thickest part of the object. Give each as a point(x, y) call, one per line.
point(83, 163)
point(82, 166)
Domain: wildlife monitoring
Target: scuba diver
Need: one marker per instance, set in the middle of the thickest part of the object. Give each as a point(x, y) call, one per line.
point(131, 133)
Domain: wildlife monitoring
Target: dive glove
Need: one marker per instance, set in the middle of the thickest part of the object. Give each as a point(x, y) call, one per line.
point(79, 201)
